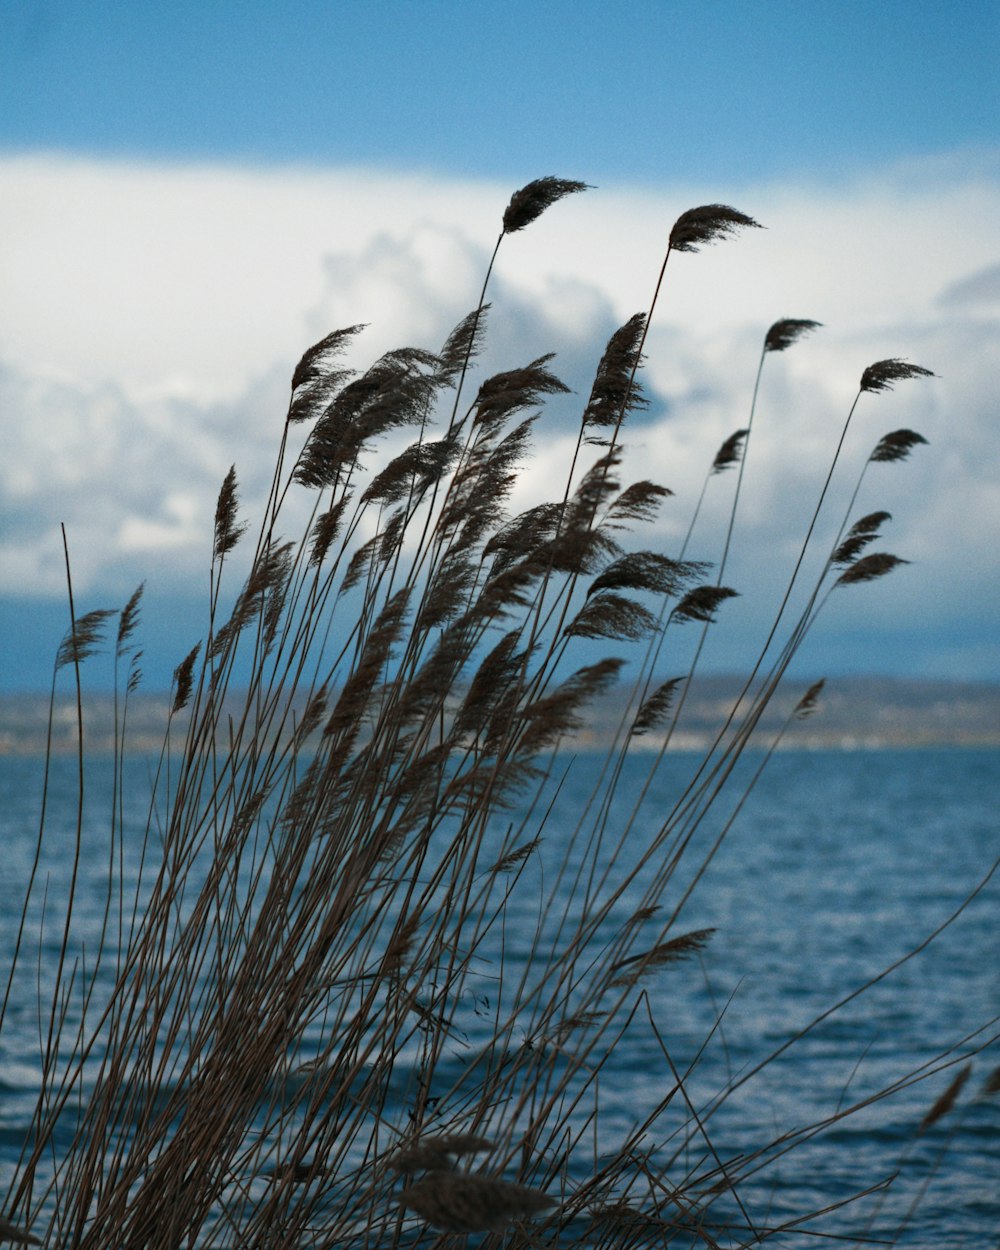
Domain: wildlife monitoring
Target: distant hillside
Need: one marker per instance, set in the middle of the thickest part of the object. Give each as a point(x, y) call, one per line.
point(870, 712)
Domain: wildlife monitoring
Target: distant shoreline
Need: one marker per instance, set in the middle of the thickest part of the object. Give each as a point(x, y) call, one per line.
point(854, 713)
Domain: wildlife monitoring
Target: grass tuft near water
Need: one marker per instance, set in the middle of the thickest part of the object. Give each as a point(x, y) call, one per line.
point(354, 789)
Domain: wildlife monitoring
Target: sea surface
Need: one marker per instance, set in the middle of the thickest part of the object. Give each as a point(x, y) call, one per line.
point(837, 867)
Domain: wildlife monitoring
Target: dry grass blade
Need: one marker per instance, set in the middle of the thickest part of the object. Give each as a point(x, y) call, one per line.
point(884, 374)
point(532, 200)
point(706, 224)
point(458, 1202)
point(946, 1100)
point(784, 333)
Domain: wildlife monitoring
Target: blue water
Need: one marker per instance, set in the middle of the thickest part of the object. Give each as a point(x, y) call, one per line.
point(838, 865)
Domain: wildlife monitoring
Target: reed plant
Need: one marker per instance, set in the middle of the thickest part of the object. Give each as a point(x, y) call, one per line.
point(347, 875)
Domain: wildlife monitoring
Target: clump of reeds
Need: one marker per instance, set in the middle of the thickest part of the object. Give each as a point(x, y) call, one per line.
point(353, 787)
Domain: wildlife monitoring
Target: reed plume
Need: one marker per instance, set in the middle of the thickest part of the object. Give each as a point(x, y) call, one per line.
point(527, 204)
point(884, 374)
point(707, 224)
point(782, 334)
point(896, 446)
point(946, 1100)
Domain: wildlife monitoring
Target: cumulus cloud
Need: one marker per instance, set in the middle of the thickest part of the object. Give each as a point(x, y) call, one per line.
point(153, 315)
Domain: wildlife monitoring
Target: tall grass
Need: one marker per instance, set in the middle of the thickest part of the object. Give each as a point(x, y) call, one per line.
point(348, 822)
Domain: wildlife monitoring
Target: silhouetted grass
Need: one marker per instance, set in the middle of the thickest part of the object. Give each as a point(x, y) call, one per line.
point(334, 842)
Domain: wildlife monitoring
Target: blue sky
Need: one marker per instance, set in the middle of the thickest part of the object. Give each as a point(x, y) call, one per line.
point(634, 90)
point(190, 193)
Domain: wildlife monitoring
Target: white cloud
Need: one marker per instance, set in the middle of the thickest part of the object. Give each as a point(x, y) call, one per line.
point(978, 289)
point(152, 315)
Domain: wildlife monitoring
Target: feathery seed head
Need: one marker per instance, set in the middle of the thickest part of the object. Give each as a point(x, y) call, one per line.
point(784, 333)
point(656, 708)
point(129, 619)
point(701, 603)
point(706, 224)
point(868, 568)
point(670, 952)
point(809, 701)
point(884, 374)
point(896, 446)
point(227, 530)
point(615, 392)
point(183, 679)
point(531, 201)
point(316, 360)
point(730, 452)
point(946, 1101)
point(84, 638)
